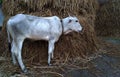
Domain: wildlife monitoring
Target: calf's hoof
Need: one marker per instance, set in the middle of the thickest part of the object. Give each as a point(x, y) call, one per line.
point(49, 64)
point(25, 70)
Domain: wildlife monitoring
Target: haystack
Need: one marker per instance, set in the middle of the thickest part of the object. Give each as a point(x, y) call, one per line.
point(71, 46)
point(108, 19)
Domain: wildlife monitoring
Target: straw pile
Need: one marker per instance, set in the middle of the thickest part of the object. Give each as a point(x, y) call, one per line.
point(108, 19)
point(70, 46)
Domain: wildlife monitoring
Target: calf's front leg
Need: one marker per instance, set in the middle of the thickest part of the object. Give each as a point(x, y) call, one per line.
point(50, 50)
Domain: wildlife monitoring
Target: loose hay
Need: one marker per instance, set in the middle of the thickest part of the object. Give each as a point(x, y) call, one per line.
point(108, 19)
point(69, 46)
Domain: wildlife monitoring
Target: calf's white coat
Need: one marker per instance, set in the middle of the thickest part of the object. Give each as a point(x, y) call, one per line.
point(22, 26)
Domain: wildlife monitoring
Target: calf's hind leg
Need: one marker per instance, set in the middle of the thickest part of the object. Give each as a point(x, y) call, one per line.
point(13, 51)
point(19, 44)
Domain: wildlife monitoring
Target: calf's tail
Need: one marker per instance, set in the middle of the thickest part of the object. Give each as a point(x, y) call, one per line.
point(8, 34)
point(9, 42)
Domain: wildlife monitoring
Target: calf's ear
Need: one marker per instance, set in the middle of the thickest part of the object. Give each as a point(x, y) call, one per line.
point(70, 21)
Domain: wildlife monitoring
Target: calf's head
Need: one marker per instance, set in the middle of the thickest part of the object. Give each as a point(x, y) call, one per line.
point(71, 24)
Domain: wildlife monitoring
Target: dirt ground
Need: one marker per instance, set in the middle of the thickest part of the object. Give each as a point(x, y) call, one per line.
point(105, 63)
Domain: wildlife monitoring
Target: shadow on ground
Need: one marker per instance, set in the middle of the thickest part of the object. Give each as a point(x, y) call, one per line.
point(107, 64)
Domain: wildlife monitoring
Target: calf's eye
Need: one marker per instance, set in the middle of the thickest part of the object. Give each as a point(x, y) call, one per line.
point(76, 21)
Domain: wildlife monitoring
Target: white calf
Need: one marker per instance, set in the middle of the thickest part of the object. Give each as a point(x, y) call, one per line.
point(23, 26)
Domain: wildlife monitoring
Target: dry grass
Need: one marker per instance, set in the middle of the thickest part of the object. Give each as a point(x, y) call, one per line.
point(108, 19)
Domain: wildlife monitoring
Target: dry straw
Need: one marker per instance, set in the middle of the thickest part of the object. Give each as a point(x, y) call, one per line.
point(108, 19)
